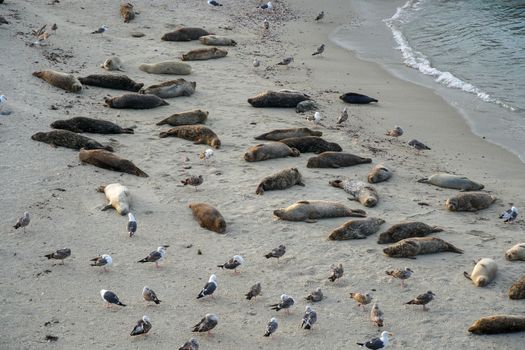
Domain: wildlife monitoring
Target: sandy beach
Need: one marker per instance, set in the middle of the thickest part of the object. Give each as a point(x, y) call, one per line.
point(41, 297)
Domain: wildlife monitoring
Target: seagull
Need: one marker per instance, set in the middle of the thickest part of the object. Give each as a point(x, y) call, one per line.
point(103, 260)
point(255, 290)
point(206, 155)
point(213, 3)
point(266, 24)
point(149, 295)
point(272, 327)
point(206, 324)
point(419, 146)
point(256, 62)
point(286, 303)
point(142, 327)
point(319, 51)
point(132, 225)
point(316, 295)
point(376, 315)
point(267, 6)
point(343, 117)
point(54, 27)
point(22, 221)
point(193, 181)
point(309, 318)
point(233, 263)
point(320, 16)
point(110, 298)
point(60, 254)
point(101, 30)
point(509, 215)
point(156, 255)
point(209, 287)
point(401, 274)
point(316, 118)
point(361, 299)
point(191, 344)
point(276, 252)
point(395, 132)
point(423, 299)
point(377, 343)
point(336, 272)
point(286, 61)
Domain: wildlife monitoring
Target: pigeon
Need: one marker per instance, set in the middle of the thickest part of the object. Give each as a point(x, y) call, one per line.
point(101, 30)
point(422, 299)
point(209, 287)
point(272, 327)
point(316, 295)
point(110, 298)
point(377, 343)
point(419, 146)
point(319, 51)
point(509, 215)
point(213, 3)
point(156, 256)
point(395, 132)
point(267, 6)
point(401, 274)
point(276, 252)
point(103, 260)
point(343, 117)
point(266, 24)
point(206, 324)
point(206, 155)
point(233, 263)
point(132, 225)
point(285, 61)
point(309, 318)
point(193, 181)
point(149, 295)
point(336, 272)
point(320, 16)
point(255, 290)
point(256, 62)
point(23, 221)
point(361, 299)
point(60, 254)
point(191, 344)
point(286, 303)
point(376, 315)
point(142, 327)
point(3, 20)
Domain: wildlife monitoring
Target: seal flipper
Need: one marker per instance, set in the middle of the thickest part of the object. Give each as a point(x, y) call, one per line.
point(436, 229)
point(300, 184)
point(310, 221)
point(453, 249)
point(423, 180)
point(106, 207)
point(465, 273)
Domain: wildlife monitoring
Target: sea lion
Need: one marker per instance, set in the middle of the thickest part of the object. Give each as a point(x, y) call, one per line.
point(217, 40)
point(470, 201)
point(208, 217)
point(107, 160)
point(361, 192)
point(172, 88)
point(199, 134)
point(280, 181)
point(265, 151)
point(280, 134)
point(95, 126)
point(355, 98)
point(309, 211)
point(166, 67)
point(452, 181)
point(206, 53)
point(135, 101)
point(498, 324)
point(282, 99)
point(404, 230)
point(195, 116)
point(379, 173)
point(118, 197)
point(68, 139)
point(410, 247)
point(185, 34)
point(517, 252)
point(127, 12)
point(335, 160)
point(111, 81)
point(483, 273)
point(60, 80)
point(356, 229)
point(112, 63)
point(313, 144)
point(517, 290)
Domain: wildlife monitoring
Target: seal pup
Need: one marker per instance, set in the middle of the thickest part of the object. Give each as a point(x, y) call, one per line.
point(281, 99)
point(69, 139)
point(60, 80)
point(143, 325)
point(110, 298)
point(22, 221)
point(336, 160)
point(309, 318)
point(402, 275)
point(193, 181)
point(208, 217)
point(376, 315)
point(517, 290)
point(254, 291)
point(59, 254)
point(199, 134)
point(156, 256)
point(134, 101)
point(422, 299)
point(194, 116)
point(191, 344)
point(281, 180)
point(166, 67)
point(452, 181)
point(377, 343)
point(355, 98)
point(403, 230)
point(111, 81)
point(364, 194)
point(395, 132)
point(311, 210)
point(517, 252)
point(265, 151)
point(185, 34)
point(483, 273)
point(410, 247)
point(107, 160)
point(127, 12)
point(172, 88)
point(281, 134)
point(313, 144)
point(469, 201)
point(362, 299)
point(315, 296)
point(271, 327)
point(286, 303)
point(336, 272)
point(276, 252)
point(379, 173)
point(206, 324)
point(356, 229)
point(112, 63)
point(118, 197)
point(217, 40)
point(95, 126)
point(498, 324)
point(509, 215)
point(204, 54)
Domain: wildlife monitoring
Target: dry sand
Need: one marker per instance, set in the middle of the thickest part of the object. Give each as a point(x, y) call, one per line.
point(36, 291)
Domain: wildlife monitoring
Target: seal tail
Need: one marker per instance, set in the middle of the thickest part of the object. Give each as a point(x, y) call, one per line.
point(128, 131)
point(162, 122)
point(259, 190)
point(163, 134)
point(423, 180)
point(109, 148)
point(436, 229)
point(164, 103)
point(453, 249)
point(140, 173)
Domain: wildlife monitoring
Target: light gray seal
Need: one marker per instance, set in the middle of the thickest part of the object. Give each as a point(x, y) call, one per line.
point(452, 181)
point(356, 229)
point(311, 210)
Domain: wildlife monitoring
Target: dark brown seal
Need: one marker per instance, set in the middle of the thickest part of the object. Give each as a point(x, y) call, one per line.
point(498, 324)
point(135, 101)
point(517, 290)
point(398, 232)
point(95, 126)
point(205, 53)
point(265, 151)
point(185, 34)
point(336, 160)
point(195, 116)
point(106, 160)
point(199, 134)
point(280, 134)
point(208, 217)
point(312, 144)
point(360, 191)
point(310, 211)
point(356, 229)
point(470, 201)
point(410, 247)
point(280, 181)
point(111, 81)
point(60, 80)
point(283, 99)
point(68, 139)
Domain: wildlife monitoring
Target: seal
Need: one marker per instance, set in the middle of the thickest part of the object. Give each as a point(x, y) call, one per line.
point(313, 144)
point(306, 106)
point(217, 40)
point(470, 201)
point(336, 160)
point(68, 139)
point(355, 98)
point(265, 151)
point(112, 63)
point(185, 34)
point(166, 67)
point(361, 192)
point(118, 197)
point(280, 134)
point(379, 173)
point(111, 81)
point(60, 80)
point(498, 324)
point(208, 217)
point(199, 134)
point(202, 54)
point(172, 88)
point(281, 180)
point(483, 273)
point(517, 290)
point(404, 230)
point(356, 229)
point(107, 160)
point(195, 116)
point(135, 101)
point(410, 247)
point(281, 99)
point(452, 181)
point(94, 126)
point(517, 252)
point(310, 211)
point(127, 12)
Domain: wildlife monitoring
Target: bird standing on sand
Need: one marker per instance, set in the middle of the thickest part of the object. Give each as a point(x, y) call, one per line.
point(233, 263)
point(419, 146)
point(142, 327)
point(110, 298)
point(377, 343)
point(286, 303)
point(191, 344)
point(60, 254)
point(316, 118)
point(309, 318)
point(255, 290)
point(156, 256)
point(22, 221)
point(286, 61)
point(213, 3)
point(376, 315)
point(271, 327)
point(401, 274)
point(256, 62)
point(276, 252)
point(266, 24)
point(209, 288)
point(336, 272)
point(206, 324)
point(149, 295)
point(193, 181)
point(319, 51)
point(361, 299)
point(422, 299)
point(395, 132)
point(206, 155)
point(343, 117)
point(101, 30)
point(320, 16)
point(268, 6)
point(54, 27)
point(315, 296)
point(104, 260)
point(132, 225)
point(509, 215)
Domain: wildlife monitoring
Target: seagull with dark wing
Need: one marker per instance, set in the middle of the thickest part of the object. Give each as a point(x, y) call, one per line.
point(156, 256)
point(286, 61)
point(319, 51)
point(255, 290)
point(423, 299)
point(336, 272)
point(132, 225)
point(142, 327)
point(110, 298)
point(22, 221)
point(100, 30)
point(60, 254)
point(209, 288)
point(315, 296)
point(149, 295)
point(377, 343)
point(286, 303)
point(343, 117)
point(276, 252)
point(191, 344)
point(509, 215)
point(104, 260)
point(271, 327)
point(309, 318)
point(233, 263)
point(268, 6)
point(417, 145)
point(320, 16)
point(206, 324)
